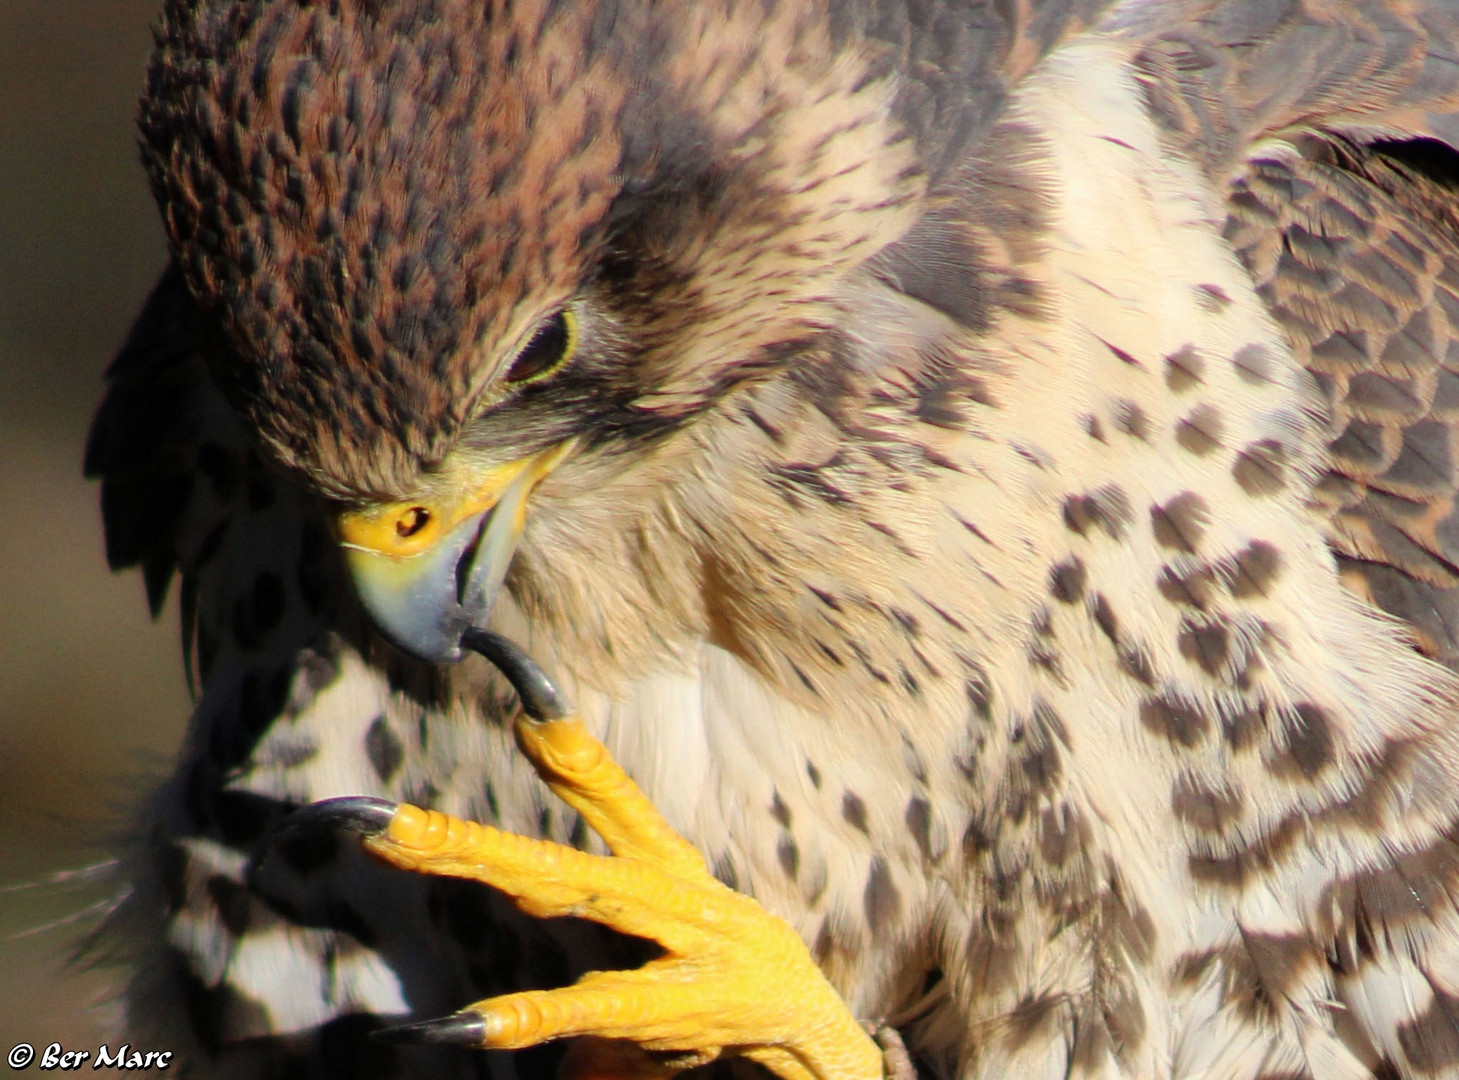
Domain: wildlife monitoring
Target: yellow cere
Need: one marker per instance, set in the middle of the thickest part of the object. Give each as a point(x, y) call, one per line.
point(403, 530)
point(406, 529)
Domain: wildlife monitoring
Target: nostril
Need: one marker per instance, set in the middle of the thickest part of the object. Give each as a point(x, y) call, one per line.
point(412, 521)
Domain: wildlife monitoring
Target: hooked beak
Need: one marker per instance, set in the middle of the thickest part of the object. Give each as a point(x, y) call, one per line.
point(429, 569)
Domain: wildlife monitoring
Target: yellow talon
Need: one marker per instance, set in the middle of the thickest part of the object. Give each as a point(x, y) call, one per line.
point(733, 977)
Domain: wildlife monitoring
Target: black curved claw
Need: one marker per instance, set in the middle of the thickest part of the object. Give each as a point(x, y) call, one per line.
point(359, 813)
point(458, 1029)
point(540, 699)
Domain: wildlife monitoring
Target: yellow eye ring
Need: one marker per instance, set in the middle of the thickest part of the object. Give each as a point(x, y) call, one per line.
point(551, 346)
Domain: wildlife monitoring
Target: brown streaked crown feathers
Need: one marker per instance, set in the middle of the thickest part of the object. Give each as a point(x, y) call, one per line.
point(357, 190)
point(377, 200)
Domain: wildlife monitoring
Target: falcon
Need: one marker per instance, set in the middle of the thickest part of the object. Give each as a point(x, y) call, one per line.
point(857, 536)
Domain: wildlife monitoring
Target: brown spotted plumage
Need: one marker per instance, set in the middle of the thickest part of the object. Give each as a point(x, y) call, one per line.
point(1009, 527)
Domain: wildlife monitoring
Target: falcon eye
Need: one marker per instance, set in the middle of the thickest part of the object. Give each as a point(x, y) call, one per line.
point(551, 346)
point(412, 521)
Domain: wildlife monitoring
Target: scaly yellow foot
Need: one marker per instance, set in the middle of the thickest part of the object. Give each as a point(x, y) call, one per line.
point(733, 977)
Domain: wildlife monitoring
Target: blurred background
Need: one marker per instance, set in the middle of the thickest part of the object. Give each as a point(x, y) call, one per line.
point(92, 699)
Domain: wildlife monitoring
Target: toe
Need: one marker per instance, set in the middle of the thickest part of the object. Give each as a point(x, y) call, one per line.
point(584, 775)
point(548, 880)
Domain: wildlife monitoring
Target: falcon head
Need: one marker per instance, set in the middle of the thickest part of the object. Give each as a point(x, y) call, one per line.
point(467, 256)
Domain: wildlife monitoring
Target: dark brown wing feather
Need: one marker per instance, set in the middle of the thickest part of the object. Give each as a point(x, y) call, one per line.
point(136, 445)
point(1349, 224)
point(1355, 249)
